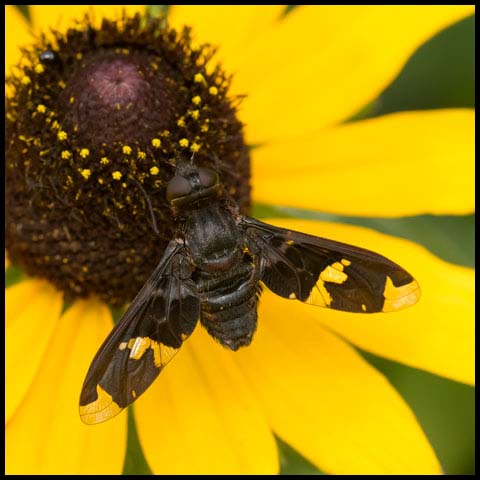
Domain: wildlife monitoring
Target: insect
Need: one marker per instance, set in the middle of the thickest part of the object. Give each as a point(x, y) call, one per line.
point(212, 271)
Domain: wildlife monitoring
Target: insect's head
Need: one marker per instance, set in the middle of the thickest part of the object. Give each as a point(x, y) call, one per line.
point(192, 186)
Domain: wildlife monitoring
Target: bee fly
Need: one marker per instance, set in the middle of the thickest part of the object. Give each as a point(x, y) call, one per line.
point(212, 271)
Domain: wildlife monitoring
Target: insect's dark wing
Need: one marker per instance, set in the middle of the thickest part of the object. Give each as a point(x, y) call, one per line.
point(162, 315)
point(327, 273)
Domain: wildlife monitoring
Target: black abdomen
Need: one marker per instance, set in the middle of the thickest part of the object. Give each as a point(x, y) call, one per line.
point(229, 304)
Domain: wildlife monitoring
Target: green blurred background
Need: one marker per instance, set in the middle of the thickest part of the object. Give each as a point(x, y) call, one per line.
point(439, 75)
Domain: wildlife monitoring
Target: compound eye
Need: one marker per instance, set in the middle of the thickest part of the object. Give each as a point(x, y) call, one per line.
point(178, 187)
point(208, 178)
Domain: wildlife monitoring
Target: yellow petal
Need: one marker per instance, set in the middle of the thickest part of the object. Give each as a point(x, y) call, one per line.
point(322, 398)
point(32, 312)
point(46, 435)
point(229, 27)
point(323, 63)
point(63, 16)
point(16, 35)
point(436, 334)
point(401, 164)
point(200, 416)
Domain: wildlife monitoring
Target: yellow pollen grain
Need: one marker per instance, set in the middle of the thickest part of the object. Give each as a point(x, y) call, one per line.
point(104, 161)
point(156, 142)
point(79, 56)
point(62, 84)
point(116, 175)
point(62, 135)
point(199, 78)
point(194, 114)
point(204, 128)
point(66, 154)
point(154, 170)
point(84, 152)
point(100, 181)
point(124, 185)
point(55, 124)
point(183, 142)
point(39, 68)
point(41, 108)
point(72, 100)
point(141, 155)
point(197, 100)
point(195, 147)
point(181, 122)
point(213, 91)
point(127, 150)
point(25, 80)
point(85, 173)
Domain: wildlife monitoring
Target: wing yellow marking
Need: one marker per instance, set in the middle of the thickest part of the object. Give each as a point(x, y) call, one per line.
point(167, 353)
point(157, 355)
point(334, 273)
point(364, 307)
point(346, 262)
point(100, 410)
point(397, 298)
point(292, 296)
point(319, 295)
point(139, 347)
point(162, 354)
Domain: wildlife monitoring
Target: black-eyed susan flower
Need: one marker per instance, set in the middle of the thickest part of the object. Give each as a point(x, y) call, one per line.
point(98, 112)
